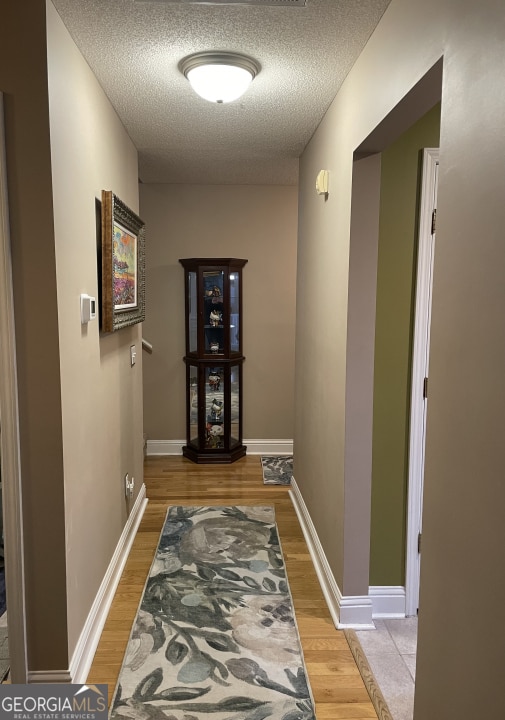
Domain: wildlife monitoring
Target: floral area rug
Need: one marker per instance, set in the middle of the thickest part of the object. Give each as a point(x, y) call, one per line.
point(215, 635)
point(277, 469)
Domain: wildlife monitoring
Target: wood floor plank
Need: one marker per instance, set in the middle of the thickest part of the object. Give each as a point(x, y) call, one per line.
point(337, 687)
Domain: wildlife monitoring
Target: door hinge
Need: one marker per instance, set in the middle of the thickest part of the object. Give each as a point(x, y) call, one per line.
point(419, 542)
point(425, 388)
point(433, 221)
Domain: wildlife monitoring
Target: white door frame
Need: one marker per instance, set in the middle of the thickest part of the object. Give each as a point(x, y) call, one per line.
point(420, 358)
point(11, 467)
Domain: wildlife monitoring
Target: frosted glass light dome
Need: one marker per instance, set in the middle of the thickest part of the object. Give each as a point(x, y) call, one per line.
point(219, 77)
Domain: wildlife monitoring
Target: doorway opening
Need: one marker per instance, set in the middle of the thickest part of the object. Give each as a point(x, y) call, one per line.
point(397, 270)
point(396, 229)
point(388, 445)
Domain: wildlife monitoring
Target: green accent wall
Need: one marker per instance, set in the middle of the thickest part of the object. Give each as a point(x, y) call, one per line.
point(396, 276)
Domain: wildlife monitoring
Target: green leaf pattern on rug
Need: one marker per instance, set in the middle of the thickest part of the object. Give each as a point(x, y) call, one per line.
point(277, 469)
point(215, 635)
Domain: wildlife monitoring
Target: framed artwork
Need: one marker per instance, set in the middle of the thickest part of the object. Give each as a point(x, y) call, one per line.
point(123, 265)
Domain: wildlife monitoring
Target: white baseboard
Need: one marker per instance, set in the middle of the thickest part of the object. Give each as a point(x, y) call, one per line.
point(164, 447)
point(49, 676)
point(353, 611)
point(254, 447)
point(269, 447)
point(90, 635)
point(388, 601)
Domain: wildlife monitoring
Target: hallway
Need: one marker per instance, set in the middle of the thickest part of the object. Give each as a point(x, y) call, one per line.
point(337, 686)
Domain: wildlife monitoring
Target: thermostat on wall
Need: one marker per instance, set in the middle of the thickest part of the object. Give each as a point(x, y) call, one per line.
point(88, 308)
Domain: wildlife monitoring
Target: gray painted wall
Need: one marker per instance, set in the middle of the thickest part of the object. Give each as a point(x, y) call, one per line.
point(461, 576)
point(80, 404)
point(101, 395)
point(246, 221)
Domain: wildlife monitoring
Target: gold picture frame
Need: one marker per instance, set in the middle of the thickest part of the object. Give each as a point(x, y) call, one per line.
point(123, 265)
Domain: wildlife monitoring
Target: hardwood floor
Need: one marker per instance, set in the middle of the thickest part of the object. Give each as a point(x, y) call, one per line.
point(336, 683)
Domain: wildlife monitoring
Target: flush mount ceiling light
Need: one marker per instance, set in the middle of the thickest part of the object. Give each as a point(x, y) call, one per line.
point(219, 77)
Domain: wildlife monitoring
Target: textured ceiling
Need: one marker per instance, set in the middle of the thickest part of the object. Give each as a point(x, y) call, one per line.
point(305, 53)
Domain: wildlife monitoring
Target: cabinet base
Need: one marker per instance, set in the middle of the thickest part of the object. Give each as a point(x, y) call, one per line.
point(213, 457)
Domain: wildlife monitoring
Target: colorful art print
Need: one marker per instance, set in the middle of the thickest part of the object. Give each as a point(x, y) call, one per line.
point(123, 265)
point(124, 268)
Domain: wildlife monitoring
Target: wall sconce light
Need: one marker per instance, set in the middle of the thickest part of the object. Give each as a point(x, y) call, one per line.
point(322, 182)
point(219, 77)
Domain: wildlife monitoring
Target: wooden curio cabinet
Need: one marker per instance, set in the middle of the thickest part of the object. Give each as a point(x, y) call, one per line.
point(214, 359)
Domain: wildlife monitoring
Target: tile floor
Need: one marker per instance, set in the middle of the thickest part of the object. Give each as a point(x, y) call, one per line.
point(391, 654)
point(4, 646)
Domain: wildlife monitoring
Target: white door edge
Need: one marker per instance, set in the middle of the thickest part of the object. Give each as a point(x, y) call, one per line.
point(419, 372)
point(11, 473)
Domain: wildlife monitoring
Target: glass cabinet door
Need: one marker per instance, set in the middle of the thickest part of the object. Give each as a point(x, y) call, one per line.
point(214, 406)
point(235, 433)
point(192, 313)
point(234, 312)
point(193, 405)
point(213, 298)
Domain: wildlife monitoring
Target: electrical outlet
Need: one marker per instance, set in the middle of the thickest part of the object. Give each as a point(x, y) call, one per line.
point(126, 485)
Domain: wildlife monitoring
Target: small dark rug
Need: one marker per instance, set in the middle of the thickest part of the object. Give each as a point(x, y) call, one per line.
point(277, 469)
point(215, 636)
